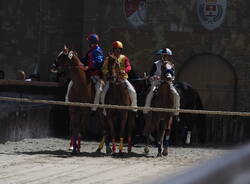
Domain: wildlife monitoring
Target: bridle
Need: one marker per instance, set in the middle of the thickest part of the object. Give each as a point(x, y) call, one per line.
point(68, 56)
point(114, 70)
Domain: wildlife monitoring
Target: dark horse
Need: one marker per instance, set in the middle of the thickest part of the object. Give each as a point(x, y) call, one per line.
point(81, 91)
point(117, 94)
point(189, 123)
point(160, 121)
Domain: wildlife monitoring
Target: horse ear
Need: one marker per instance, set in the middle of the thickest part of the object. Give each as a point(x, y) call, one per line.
point(65, 50)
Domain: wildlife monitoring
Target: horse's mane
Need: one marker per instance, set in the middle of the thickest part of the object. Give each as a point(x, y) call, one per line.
point(185, 89)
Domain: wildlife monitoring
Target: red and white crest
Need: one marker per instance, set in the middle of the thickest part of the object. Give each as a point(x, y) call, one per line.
point(211, 12)
point(135, 12)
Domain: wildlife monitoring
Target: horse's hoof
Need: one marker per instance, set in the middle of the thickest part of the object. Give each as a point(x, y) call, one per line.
point(146, 150)
point(159, 155)
point(165, 152)
point(120, 154)
point(98, 150)
point(108, 150)
point(129, 150)
point(74, 152)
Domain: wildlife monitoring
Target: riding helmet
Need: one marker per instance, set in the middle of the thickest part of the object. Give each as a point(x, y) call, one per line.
point(93, 38)
point(164, 51)
point(117, 45)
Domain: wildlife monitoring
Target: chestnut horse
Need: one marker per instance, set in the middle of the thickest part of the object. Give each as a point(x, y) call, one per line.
point(81, 91)
point(160, 122)
point(117, 94)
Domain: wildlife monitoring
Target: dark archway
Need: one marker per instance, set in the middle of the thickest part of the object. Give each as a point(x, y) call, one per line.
point(214, 78)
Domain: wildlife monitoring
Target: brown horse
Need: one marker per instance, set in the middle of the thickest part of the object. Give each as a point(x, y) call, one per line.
point(81, 91)
point(160, 122)
point(117, 95)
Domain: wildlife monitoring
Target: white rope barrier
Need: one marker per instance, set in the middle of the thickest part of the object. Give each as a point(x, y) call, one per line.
point(190, 111)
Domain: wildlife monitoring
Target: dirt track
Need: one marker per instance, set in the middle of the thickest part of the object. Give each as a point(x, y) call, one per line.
point(47, 161)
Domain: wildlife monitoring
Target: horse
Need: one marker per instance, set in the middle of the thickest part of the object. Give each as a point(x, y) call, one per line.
point(81, 91)
point(117, 94)
point(189, 99)
point(160, 121)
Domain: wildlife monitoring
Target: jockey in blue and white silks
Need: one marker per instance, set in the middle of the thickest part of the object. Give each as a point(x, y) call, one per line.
point(93, 60)
point(155, 75)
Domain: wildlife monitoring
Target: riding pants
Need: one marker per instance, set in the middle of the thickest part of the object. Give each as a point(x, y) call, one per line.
point(154, 85)
point(131, 91)
point(176, 98)
point(98, 90)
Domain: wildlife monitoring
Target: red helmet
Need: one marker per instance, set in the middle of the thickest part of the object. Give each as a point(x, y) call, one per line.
point(93, 38)
point(117, 45)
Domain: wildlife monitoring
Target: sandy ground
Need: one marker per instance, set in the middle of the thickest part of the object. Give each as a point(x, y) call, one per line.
point(47, 161)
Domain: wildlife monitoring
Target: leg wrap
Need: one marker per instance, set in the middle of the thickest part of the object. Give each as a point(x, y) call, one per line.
point(121, 144)
point(113, 145)
point(101, 143)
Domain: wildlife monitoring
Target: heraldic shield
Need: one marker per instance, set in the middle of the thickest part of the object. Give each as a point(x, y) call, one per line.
point(211, 13)
point(135, 12)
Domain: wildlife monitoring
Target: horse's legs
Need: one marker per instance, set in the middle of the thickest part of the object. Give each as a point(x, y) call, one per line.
point(124, 119)
point(71, 143)
point(105, 133)
point(111, 130)
point(75, 131)
point(167, 137)
point(131, 124)
point(160, 130)
point(101, 144)
point(147, 130)
point(107, 141)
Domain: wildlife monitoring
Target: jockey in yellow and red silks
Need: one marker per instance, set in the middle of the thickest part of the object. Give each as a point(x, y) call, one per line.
point(125, 68)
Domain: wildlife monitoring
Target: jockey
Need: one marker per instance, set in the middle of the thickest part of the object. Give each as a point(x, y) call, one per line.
point(155, 73)
point(94, 61)
point(124, 62)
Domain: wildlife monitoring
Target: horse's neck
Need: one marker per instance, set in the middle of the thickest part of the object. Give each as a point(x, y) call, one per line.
point(79, 77)
point(164, 95)
point(119, 94)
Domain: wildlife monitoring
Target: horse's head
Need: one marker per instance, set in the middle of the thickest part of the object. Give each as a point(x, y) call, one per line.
point(113, 68)
point(65, 60)
point(166, 72)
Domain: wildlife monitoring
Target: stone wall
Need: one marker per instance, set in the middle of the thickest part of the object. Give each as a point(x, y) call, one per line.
point(175, 24)
point(19, 120)
point(33, 32)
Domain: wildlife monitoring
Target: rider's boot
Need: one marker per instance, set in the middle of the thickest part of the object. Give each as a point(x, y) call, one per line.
point(148, 101)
